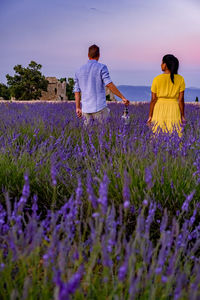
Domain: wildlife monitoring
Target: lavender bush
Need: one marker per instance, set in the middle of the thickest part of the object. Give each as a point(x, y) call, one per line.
point(103, 212)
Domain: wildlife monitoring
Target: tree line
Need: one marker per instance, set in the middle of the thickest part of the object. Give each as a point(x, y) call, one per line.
point(29, 82)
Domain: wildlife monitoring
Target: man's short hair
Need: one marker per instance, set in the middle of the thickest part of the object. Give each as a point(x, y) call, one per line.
point(93, 51)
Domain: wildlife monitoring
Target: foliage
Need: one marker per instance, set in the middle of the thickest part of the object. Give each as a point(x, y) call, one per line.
point(27, 83)
point(108, 98)
point(62, 79)
point(197, 99)
point(70, 88)
point(4, 91)
point(100, 212)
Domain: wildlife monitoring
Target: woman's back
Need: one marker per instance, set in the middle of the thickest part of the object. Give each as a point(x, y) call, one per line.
point(167, 103)
point(163, 86)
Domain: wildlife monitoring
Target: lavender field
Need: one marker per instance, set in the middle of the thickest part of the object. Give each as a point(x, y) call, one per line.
point(103, 212)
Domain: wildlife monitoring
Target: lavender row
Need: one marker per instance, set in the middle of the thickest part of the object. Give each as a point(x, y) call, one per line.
point(99, 212)
point(49, 143)
point(67, 255)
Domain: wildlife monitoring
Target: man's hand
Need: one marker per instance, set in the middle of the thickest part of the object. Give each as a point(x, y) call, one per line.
point(115, 91)
point(79, 112)
point(125, 101)
point(78, 104)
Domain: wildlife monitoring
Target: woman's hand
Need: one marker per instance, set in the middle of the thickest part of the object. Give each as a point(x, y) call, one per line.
point(149, 120)
point(183, 120)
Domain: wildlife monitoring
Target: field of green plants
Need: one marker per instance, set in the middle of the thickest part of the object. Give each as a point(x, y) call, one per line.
point(100, 212)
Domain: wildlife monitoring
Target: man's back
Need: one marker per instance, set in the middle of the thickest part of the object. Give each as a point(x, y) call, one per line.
point(91, 80)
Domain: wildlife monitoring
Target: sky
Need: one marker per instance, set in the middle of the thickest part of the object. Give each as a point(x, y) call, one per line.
point(133, 36)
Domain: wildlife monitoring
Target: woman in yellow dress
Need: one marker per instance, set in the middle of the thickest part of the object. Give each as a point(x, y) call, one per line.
point(167, 104)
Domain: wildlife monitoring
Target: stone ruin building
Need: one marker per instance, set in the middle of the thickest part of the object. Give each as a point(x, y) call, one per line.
point(56, 90)
point(112, 97)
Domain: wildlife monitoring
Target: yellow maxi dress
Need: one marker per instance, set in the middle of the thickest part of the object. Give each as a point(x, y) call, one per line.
point(166, 113)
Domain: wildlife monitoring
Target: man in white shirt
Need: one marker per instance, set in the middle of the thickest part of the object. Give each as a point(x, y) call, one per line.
point(90, 82)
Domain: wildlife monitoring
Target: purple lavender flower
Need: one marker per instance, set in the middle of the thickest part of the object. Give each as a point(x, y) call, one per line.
point(53, 175)
point(150, 217)
point(91, 196)
point(192, 219)
point(25, 193)
point(145, 202)
point(148, 178)
point(189, 198)
point(126, 190)
point(2, 215)
point(126, 204)
point(35, 206)
point(103, 191)
point(2, 266)
point(172, 185)
point(181, 280)
point(79, 192)
point(107, 262)
point(69, 288)
point(123, 271)
point(132, 209)
point(164, 279)
point(75, 280)
point(164, 221)
point(95, 215)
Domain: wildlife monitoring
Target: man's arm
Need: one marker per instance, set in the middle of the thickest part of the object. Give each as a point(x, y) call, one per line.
point(78, 104)
point(77, 92)
point(115, 91)
point(152, 104)
point(182, 106)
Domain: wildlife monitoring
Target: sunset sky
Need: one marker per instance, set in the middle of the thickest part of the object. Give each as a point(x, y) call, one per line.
point(133, 36)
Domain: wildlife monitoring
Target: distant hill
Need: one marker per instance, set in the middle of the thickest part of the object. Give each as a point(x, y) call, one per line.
point(143, 93)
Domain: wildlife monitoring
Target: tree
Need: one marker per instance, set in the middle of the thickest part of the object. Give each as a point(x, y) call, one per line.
point(4, 91)
point(27, 83)
point(62, 79)
point(197, 99)
point(70, 88)
point(108, 98)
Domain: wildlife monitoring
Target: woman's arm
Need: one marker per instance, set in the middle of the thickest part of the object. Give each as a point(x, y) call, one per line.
point(152, 104)
point(182, 106)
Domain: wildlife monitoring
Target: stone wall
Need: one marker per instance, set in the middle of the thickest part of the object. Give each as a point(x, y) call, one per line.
point(112, 97)
point(56, 90)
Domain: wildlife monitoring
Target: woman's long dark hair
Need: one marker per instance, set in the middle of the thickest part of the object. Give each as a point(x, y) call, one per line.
point(172, 64)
